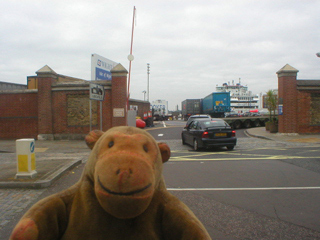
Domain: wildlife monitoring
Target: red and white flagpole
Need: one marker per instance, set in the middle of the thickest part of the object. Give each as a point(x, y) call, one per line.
point(130, 57)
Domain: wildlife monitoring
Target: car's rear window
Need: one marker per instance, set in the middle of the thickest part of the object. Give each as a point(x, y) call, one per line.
point(214, 123)
point(200, 117)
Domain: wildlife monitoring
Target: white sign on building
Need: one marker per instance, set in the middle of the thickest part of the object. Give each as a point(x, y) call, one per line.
point(101, 67)
point(160, 107)
point(96, 92)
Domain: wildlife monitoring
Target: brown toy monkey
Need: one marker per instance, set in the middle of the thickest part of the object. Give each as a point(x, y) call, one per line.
point(121, 195)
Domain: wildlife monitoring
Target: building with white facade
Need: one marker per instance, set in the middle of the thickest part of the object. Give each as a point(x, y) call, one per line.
point(160, 107)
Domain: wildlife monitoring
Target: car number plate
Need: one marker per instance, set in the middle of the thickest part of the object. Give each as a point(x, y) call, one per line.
point(221, 134)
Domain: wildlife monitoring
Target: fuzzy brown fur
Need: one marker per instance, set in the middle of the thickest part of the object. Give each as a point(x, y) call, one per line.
point(121, 195)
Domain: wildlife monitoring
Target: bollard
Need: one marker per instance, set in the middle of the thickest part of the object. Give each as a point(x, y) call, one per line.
point(26, 159)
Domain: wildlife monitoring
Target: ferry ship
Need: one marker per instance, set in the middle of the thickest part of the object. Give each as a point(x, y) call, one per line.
point(241, 100)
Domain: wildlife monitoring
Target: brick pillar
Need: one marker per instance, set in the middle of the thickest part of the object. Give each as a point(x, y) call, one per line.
point(288, 96)
point(46, 77)
point(119, 96)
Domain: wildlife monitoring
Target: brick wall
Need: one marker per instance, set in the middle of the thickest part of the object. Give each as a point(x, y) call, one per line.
point(143, 106)
point(300, 106)
point(61, 110)
point(19, 114)
point(106, 111)
point(287, 93)
point(119, 94)
point(315, 108)
point(45, 113)
point(71, 113)
point(309, 113)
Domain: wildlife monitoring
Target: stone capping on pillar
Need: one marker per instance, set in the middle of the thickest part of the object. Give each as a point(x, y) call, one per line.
point(46, 71)
point(287, 70)
point(119, 70)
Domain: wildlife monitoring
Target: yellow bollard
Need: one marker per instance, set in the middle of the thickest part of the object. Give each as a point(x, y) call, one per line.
point(26, 159)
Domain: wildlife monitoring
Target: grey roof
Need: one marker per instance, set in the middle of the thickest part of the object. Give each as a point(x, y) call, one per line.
point(308, 82)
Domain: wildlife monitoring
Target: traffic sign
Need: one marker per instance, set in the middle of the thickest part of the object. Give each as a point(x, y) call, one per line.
point(96, 92)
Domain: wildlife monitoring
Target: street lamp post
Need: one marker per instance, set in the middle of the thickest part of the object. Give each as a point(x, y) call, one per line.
point(144, 95)
point(148, 72)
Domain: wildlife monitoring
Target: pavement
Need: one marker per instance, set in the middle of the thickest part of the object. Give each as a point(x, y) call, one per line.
point(305, 139)
point(54, 158)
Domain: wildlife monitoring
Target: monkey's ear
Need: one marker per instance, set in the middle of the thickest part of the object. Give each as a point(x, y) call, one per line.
point(165, 151)
point(92, 138)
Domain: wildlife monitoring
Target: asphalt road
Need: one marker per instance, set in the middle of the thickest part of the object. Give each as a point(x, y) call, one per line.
point(260, 190)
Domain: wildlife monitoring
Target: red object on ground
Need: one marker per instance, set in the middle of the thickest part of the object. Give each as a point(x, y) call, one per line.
point(140, 123)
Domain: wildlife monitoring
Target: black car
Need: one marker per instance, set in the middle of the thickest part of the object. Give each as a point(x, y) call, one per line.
point(196, 116)
point(206, 133)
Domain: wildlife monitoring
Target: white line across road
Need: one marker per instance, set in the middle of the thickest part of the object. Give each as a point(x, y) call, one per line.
point(243, 189)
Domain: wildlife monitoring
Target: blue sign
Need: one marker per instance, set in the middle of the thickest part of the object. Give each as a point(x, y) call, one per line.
point(32, 147)
point(102, 74)
point(280, 110)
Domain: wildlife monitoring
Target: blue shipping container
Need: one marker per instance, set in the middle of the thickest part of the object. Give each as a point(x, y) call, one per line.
point(216, 102)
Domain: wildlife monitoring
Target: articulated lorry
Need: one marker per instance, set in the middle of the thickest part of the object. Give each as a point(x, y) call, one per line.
point(190, 107)
point(215, 104)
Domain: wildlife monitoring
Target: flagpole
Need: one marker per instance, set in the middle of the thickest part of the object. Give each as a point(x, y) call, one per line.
point(130, 57)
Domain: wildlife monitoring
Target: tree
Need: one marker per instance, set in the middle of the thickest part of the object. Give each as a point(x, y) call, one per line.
point(272, 104)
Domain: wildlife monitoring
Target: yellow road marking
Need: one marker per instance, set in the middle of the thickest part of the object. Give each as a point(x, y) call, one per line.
point(211, 156)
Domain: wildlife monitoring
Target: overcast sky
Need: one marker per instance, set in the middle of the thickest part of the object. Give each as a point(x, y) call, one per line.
point(191, 46)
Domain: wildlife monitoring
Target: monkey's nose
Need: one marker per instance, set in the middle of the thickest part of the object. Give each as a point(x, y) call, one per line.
point(124, 176)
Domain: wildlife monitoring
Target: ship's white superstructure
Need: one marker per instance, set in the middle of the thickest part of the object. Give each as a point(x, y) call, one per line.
point(241, 99)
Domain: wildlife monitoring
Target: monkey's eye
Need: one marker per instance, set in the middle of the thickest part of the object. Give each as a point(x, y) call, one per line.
point(111, 143)
point(145, 148)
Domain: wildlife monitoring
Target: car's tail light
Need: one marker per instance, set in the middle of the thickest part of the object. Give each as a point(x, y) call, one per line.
point(205, 135)
point(233, 133)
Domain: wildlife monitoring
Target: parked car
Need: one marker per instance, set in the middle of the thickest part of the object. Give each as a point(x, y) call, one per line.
point(255, 114)
point(207, 133)
point(197, 116)
point(231, 114)
point(245, 114)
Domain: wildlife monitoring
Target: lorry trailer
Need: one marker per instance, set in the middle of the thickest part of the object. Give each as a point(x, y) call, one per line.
point(216, 104)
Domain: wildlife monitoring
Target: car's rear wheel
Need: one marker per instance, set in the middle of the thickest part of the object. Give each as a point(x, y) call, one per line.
point(230, 148)
point(195, 145)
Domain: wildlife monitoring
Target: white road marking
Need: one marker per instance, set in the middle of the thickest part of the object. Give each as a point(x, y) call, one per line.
point(164, 124)
point(244, 189)
point(160, 135)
